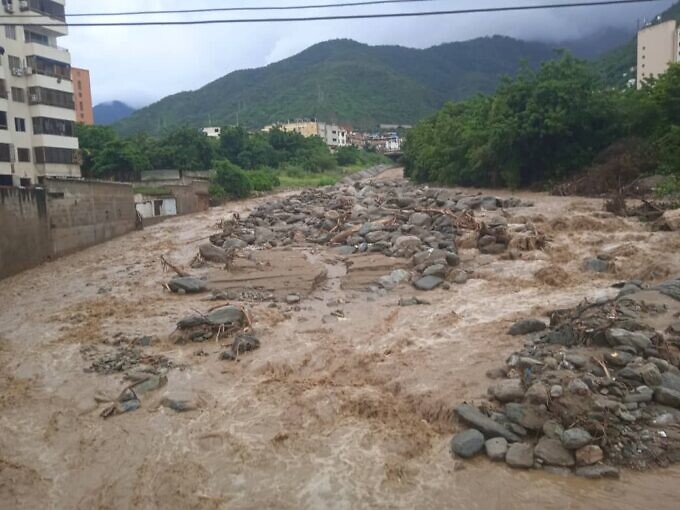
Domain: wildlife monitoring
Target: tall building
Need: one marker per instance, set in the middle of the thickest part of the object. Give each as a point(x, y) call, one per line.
point(657, 48)
point(37, 110)
point(82, 95)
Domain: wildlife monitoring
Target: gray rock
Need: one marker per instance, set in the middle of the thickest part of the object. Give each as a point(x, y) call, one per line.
point(526, 326)
point(420, 219)
point(496, 448)
point(393, 279)
point(468, 443)
point(376, 236)
point(670, 288)
point(189, 284)
point(153, 382)
point(671, 381)
point(508, 390)
point(618, 336)
point(576, 359)
point(428, 282)
point(589, 454)
point(180, 401)
point(641, 394)
point(578, 387)
point(226, 316)
point(650, 374)
point(597, 471)
point(575, 438)
point(556, 391)
point(552, 452)
point(452, 259)
point(667, 397)
point(483, 423)
point(598, 265)
point(292, 299)
point(618, 358)
point(407, 243)
point(458, 276)
point(520, 455)
point(213, 253)
point(528, 416)
point(490, 203)
point(435, 270)
point(537, 394)
point(552, 429)
point(233, 243)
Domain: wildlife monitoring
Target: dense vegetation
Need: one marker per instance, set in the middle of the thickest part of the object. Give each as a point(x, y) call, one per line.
point(544, 126)
point(242, 161)
point(345, 81)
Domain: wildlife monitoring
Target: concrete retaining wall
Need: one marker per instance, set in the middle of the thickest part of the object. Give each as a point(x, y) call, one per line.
point(24, 233)
point(64, 217)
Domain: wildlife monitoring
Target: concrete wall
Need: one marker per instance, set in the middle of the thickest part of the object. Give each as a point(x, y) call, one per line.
point(64, 217)
point(657, 48)
point(85, 213)
point(192, 198)
point(24, 234)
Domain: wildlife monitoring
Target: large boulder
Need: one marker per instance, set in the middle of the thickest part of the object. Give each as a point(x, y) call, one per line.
point(490, 428)
point(428, 282)
point(468, 443)
point(551, 452)
point(508, 390)
point(526, 326)
point(188, 284)
point(520, 455)
point(213, 253)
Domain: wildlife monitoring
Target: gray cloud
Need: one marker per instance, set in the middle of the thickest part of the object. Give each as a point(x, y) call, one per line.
point(143, 64)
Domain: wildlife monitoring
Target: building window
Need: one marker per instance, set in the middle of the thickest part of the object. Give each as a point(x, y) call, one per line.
point(51, 97)
point(49, 67)
point(3, 89)
point(18, 95)
point(5, 153)
point(81, 105)
point(49, 126)
point(6, 180)
point(34, 37)
point(3, 120)
point(56, 155)
point(48, 7)
point(10, 31)
point(25, 182)
point(19, 124)
point(80, 85)
point(24, 155)
point(14, 62)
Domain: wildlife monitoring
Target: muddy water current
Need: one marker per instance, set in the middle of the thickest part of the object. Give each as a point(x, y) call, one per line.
point(347, 404)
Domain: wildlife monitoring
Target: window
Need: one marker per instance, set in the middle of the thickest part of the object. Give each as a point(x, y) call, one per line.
point(81, 106)
point(80, 94)
point(49, 67)
point(6, 180)
point(19, 124)
point(18, 95)
point(5, 153)
point(48, 7)
point(56, 155)
point(80, 85)
point(49, 126)
point(24, 155)
point(50, 97)
point(25, 182)
point(3, 120)
point(10, 31)
point(3, 89)
point(14, 62)
point(34, 37)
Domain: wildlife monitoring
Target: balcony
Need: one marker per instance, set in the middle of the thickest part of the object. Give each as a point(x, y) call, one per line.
point(49, 67)
point(48, 8)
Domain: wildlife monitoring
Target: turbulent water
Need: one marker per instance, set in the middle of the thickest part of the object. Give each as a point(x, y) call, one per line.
point(333, 411)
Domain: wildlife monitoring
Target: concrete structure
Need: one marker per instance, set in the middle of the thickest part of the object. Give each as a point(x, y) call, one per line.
point(657, 48)
point(163, 193)
point(212, 132)
point(63, 217)
point(332, 134)
point(37, 110)
point(153, 206)
point(83, 95)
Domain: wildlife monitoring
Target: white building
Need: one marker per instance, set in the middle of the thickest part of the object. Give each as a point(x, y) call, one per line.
point(212, 131)
point(37, 110)
point(657, 48)
point(332, 134)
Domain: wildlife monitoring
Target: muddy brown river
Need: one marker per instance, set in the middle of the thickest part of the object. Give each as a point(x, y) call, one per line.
point(347, 404)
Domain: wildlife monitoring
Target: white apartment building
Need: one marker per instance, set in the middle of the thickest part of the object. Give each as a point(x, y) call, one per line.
point(332, 134)
point(658, 46)
point(37, 110)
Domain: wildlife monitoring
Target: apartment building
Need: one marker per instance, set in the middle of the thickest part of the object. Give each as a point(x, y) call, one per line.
point(658, 46)
point(332, 134)
point(82, 93)
point(37, 109)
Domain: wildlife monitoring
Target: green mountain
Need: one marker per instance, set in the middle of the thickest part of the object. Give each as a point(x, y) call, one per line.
point(345, 81)
point(616, 64)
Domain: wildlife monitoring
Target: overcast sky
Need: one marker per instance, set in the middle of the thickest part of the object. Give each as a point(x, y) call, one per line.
point(140, 65)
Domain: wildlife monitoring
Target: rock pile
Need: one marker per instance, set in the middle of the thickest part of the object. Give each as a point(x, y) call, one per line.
point(597, 388)
point(395, 218)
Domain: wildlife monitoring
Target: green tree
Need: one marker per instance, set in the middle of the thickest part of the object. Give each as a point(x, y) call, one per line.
point(231, 179)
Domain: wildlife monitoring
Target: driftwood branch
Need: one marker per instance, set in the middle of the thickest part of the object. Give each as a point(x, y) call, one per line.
point(166, 264)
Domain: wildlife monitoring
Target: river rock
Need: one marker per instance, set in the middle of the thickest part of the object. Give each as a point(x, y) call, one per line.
point(618, 358)
point(618, 336)
point(575, 438)
point(508, 390)
point(420, 219)
point(292, 299)
point(530, 417)
point(435, 270)
point(589, 454)
point(180, 401)
point(226, 316)
point(650, 374)
point(598, 265)
point(152, 382)
point(496, 448)
point(393, 279)
point(428, 282)
point(526, 326)
point(468, 443)
point(667, 397)
point(641, 394)
point(483, 423)
point(552, 452)
point(213, 253)
point(578, 387)
point(552, 429)
point(188, 284)
point(520, 455)
point(671, 381)
point(597, 471)
point(556, 391)
point(407, 243)
point(537, 394)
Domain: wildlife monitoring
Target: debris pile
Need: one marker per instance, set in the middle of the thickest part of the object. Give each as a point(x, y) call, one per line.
point(394, 218)
point(596, 389)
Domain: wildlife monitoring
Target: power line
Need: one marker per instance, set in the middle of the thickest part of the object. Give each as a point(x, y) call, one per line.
point(242, 8)
point(337, 17)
